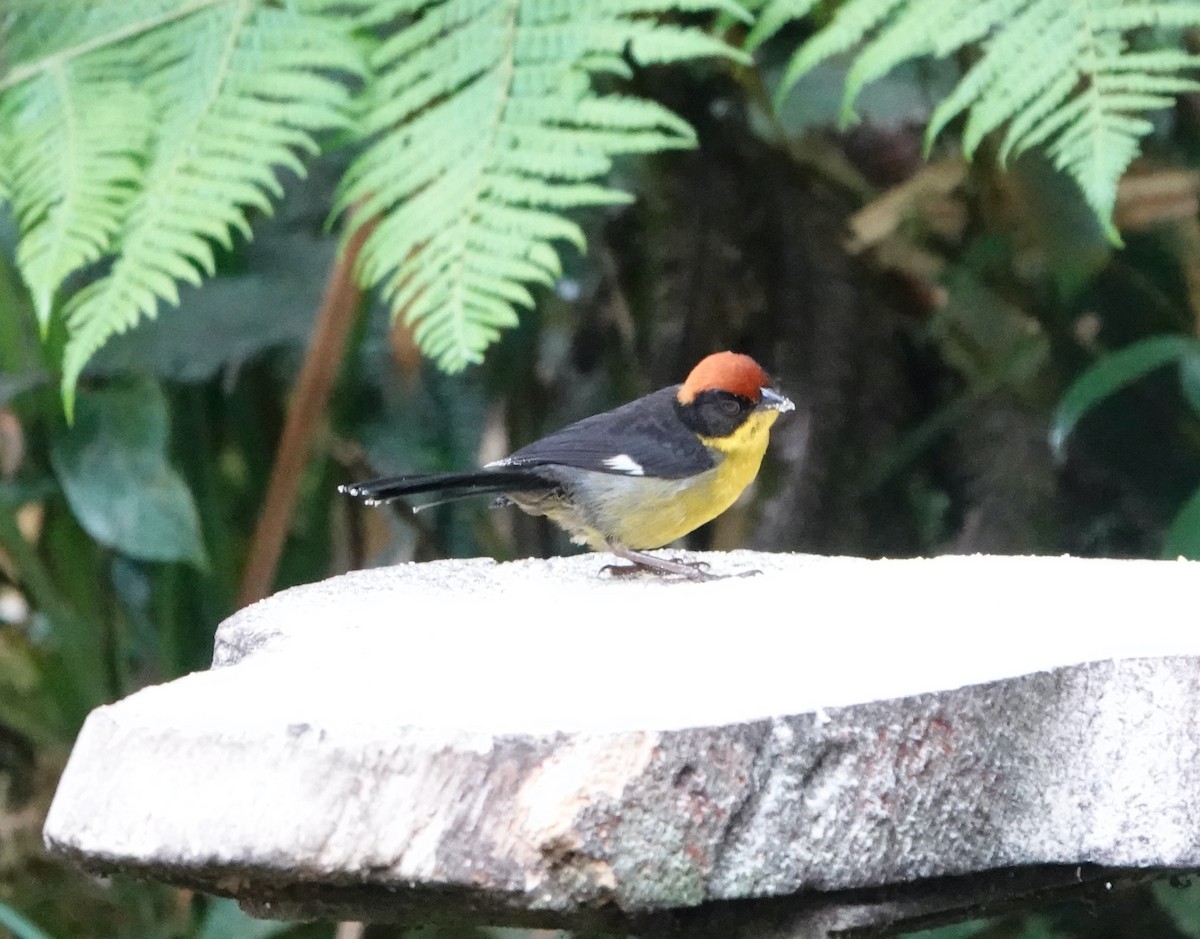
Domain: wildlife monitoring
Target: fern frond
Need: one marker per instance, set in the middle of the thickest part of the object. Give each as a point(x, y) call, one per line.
point(1025, 66)
point(44, 34)
point(966, 23)
point(229, 91)
point(916, 30)
point(1058, 74)
point(775, 15)
point(485, 129)
point(77, 134)
point(854, 20)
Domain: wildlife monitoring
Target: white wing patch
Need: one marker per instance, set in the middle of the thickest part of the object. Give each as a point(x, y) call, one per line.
point(624, 463)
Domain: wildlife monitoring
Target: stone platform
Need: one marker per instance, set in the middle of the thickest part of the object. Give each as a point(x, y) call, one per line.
point(832, 744)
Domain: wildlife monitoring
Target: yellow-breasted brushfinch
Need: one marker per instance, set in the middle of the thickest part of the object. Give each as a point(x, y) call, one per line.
point(636, 477)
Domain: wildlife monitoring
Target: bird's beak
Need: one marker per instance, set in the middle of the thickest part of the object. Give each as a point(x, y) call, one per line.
point(772, 399)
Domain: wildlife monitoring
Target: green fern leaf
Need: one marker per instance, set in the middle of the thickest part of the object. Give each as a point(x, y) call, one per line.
point(1096, 149)
point(993, 70)
point(82, 129)
point(915, 32)
point(1041, 118)
point(964, 23)
point(1147, 14)
point(1058, 74)
point(774, 16)
point(42, 30)
point(1027, 65)
point(485, 129)
point(854, 21)
point(229, 92)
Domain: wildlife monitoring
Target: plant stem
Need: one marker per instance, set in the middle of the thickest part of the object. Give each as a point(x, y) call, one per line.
point(310, 400)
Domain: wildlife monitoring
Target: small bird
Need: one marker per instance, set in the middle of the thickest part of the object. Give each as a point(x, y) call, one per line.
point(633, 478)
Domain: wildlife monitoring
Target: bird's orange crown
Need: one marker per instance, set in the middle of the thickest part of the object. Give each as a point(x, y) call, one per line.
point(726, 371)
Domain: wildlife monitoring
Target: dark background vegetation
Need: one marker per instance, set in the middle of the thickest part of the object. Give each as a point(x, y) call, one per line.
point(926, 316)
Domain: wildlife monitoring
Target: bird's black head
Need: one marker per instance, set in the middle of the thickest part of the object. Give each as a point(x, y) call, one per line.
point(715, 412)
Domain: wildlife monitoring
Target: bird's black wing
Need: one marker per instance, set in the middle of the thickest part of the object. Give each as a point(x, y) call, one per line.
point(642, 438)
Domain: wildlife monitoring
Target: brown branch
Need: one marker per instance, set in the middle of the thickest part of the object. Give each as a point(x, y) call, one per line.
point(335, 318)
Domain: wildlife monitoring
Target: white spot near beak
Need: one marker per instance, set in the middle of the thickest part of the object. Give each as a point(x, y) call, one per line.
point(624, 463)
point(775, 401)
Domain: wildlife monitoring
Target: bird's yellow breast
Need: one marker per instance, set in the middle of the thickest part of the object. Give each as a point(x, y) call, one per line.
point(743, 454)
point(643, 512)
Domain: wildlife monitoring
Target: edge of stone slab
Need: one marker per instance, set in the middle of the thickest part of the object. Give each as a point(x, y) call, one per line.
point(909, 740)
point(858, 913)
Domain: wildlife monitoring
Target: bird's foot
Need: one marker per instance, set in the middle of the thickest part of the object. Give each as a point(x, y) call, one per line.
point(643, 562)
point(690, 570)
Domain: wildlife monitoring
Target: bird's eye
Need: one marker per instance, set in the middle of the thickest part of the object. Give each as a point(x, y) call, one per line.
point(730, 406)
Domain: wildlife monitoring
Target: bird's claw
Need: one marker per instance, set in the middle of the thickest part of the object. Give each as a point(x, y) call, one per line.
point(697, 570)
point(622, 570)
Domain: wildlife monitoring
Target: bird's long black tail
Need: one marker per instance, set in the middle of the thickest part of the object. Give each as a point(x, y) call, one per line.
point(448, 486)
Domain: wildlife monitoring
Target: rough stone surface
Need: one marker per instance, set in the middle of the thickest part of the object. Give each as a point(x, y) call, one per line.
point(851, 743)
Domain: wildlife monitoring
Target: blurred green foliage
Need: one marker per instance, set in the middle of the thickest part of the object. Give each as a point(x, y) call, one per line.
point(977, 369)
point(1118, 370)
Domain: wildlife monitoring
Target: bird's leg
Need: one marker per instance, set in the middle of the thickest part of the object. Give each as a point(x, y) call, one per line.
point(641, 561)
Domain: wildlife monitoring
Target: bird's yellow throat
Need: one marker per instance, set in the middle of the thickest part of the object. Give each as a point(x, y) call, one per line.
point(743, 450)
point(750, 439)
